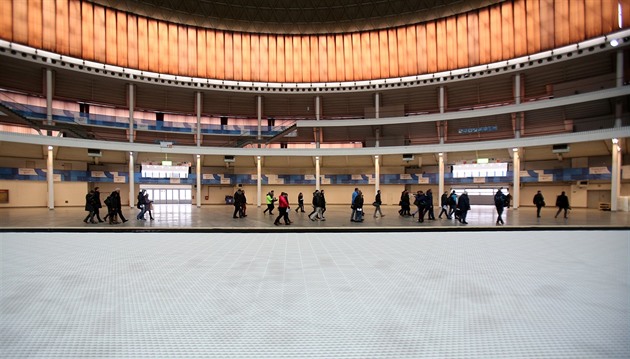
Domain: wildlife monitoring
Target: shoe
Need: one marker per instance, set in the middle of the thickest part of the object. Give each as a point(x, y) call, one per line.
point(322, 219)
point(382, 215)
point(288, 223)
point(421, 221)
point(152, 218)
point(352, 220)
point(464, 222)
point(312, 219)
point(100, 221)
point(234, 217)
point(125, 220)
point(85, 220)
point(276, 223)
point(93, 222)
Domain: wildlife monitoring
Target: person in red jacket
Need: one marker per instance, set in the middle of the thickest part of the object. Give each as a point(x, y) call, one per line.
point(283, 208)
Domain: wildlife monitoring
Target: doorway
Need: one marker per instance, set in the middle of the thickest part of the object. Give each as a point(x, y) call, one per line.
point(169, 194)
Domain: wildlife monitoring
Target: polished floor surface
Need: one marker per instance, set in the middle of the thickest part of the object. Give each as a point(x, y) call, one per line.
point(353, 294)
point(213, 218)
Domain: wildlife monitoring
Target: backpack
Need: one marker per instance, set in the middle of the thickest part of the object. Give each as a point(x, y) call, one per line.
point(108, 201)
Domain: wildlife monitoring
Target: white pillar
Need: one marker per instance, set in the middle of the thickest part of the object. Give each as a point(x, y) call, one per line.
point(442, 99)
point(377, 174)
point(517, 89)
point(517, 179)
point(198, 181)
point(259, 181)
point(259, 136)
point(616, 175)
point(377, 105)
point(132, 190)
point(49, 96)
point(317, 180)
point(49, 178)
point(441, 174)
point(198, 111)
point(131, 107)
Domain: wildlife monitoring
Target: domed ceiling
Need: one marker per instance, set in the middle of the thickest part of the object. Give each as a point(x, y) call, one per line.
point(296, 16)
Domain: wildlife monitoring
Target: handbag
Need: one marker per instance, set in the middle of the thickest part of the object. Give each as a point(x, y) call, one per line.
point(374, 204)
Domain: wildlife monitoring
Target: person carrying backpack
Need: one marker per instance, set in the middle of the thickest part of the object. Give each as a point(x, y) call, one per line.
point(500, 201)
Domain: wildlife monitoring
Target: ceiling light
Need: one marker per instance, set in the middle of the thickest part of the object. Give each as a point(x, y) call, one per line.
point(614, 42)
point(615, 141)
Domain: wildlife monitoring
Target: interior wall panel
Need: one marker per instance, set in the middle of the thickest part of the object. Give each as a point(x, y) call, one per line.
point(61, 27)
point(121, 39)
point(211, 55)
point(315, 63)
point(264, 58)
point(49, 39)
point(273, 56)
point(421, 49)
point(496, 35)
point(451, 42)
point(34, 23)
point(533, 26)
point(20, 22)
point(371, 55)
point(143, 43)
point(472, 29)
point(237, 55)
point(432, 57)
point(172, 48)
point(338, 56)
point(346, 63)
point(305, 60)
point(462, 41)
point(6, 21)
point(153, 44)
point(288, 58)
point(484, 36)
point(576, 18)
point(192, 52)
point(411, 51)
point(87, 33)
point(384, 53)
point(332, 58)
point(507, 29)
point(280, 65)
point(502, 31)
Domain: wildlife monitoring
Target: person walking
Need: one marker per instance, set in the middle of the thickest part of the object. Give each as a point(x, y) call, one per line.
point(500, 201)
point(243, 203)
point(463, 204)
point(148, 204)
point(111, 214)
point(238, 202)
point(117, 205)
point(89, 207)
point(444, 205)
point(539, 202)
point(405, 209)
point(317, 207)
point(283, 209)
point(377, 204)
point(429, 206)
point(323, 203)
point(97, 204)
point(354, 210)
point(358, 207)
point(452, 204)
point(270, 202)
point(562, 202)
point(141, 205)
point(300, 203)
point(421, 203)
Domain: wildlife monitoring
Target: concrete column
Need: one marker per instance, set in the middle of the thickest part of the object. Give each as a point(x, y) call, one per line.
point(517, 179)
point(132, 100)
point(619, 66)
point(49, 96)
point(517, 89)
point(132, 190)
point(49, 178)
point(317, 142)
point(377, 105)
point(259, 182)
point(615, 181)
point(440, 174)
point(442, 103)
point(198, 111)
point(259, 136)
point(198, 181)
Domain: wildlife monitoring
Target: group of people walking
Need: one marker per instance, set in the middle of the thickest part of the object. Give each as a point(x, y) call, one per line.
point(93, 206)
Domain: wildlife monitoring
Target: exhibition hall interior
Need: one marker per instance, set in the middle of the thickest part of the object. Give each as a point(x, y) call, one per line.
point(141, 140)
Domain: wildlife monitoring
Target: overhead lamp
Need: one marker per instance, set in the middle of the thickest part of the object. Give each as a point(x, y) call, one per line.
point(50, 148)
point(614, 42)
point(198, 156)
point(615, 141)
point(376, 156)
point(440, 154)
point(514, 149)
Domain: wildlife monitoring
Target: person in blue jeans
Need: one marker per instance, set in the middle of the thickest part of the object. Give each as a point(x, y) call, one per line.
point(141, 205)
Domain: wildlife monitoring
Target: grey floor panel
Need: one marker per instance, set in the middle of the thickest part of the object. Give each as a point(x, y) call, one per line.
point(312, 295)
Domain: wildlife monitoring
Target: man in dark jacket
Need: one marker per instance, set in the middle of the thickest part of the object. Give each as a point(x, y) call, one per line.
point(116, 205)
point(539, 202)
point(562, 202)
point(89, 207)
point(97, 204)
point(463, 204)
point(500, 201)
point(238, 202)
point(444, 205)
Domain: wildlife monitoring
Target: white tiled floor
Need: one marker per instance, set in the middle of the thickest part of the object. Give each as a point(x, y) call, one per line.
point(315, 295)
